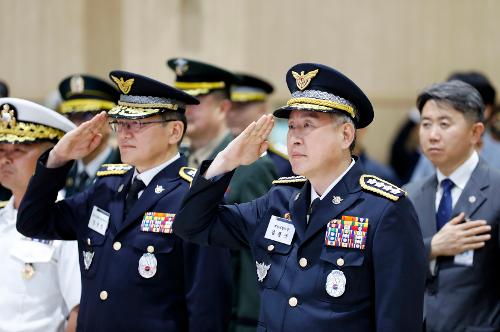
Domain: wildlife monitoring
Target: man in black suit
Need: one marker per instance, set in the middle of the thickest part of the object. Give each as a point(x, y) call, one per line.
point(458, 212)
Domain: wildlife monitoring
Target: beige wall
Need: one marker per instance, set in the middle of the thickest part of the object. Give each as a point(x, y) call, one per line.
point(391, 48)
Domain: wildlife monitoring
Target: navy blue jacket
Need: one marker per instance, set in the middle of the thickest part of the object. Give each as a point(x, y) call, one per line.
point(190, 290)
point(384, 282)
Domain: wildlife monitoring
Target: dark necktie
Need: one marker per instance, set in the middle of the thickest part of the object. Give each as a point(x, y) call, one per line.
point(82, 181)
point(312, 209)
point(443, 214)
point(132, 196)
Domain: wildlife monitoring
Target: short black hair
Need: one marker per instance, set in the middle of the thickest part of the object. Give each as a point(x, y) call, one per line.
point(459, 95)
point(478, 81)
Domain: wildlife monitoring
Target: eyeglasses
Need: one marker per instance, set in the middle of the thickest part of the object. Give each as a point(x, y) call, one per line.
point(133, 126)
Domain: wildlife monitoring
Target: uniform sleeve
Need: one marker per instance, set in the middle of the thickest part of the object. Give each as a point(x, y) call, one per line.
point(400, 266)
point(252, 181)
point(208, 287)
point(202, 218)
point(68, 271)
point(40, 216)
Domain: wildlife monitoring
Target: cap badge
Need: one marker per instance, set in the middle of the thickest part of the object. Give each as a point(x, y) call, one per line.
point(302, 79)
point(7, 116)
point(77, 84)
point(123, 85)
point(181, 67)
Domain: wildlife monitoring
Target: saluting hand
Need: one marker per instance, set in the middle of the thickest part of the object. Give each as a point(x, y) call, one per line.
point(244, 149)
point(79, 142)
point(456, 237)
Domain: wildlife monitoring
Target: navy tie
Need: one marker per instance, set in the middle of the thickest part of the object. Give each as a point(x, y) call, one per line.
point(443, 214)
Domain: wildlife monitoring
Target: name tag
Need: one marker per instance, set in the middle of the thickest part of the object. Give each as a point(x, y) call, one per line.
point(466, 258)
point(280, 230)
point(99, 220)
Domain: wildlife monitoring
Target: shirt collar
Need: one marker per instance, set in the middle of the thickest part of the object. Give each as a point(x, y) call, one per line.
point(93, 166)
point(147, 176)
point(9, 213)
point(315, 195)
point(205, 152)
point(462, 174)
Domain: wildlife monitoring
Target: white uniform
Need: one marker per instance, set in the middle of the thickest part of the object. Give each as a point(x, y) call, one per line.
point(39, 280)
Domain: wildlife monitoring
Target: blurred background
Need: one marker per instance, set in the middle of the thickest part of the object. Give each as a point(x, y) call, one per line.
point(391, 48)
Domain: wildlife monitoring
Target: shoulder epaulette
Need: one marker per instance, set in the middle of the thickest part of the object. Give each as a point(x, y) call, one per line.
point(290, 180)
point(187, 173)
point(113, 169)
point(383, 188)
point(3, 204)
point(276, 151)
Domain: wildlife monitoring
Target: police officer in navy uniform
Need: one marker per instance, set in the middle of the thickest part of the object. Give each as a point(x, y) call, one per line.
point(85, 96)
point(136, 274)
point(335, 249)
point(249, 102)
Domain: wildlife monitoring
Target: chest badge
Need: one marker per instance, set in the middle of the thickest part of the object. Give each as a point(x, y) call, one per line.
point(147, 265)
point(159, 189)
point(87, 259)
point(262, 269)
point(335, 283)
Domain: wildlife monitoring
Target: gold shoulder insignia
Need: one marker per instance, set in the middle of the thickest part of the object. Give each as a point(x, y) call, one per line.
point(302, 80)
point(383, 188)
point(187, 173)
point(113, 169)
point(290, 180)
point(3, 204)
point(123, 85)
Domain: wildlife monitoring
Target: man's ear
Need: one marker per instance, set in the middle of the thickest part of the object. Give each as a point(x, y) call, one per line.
point(477, 132)
point(176, 130)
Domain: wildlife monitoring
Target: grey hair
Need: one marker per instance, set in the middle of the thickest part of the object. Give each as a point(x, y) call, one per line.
point(341, 118)
point(458, 95)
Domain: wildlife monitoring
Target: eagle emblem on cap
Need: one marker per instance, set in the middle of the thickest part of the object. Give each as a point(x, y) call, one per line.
point(302, 79)
point(181, 67)
point(123, 85)
point(77, 84)
point(7, 116)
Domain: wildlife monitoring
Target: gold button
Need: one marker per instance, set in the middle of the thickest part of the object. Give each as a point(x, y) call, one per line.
point(88, 241)
point(303, 262)
point(151, 249)
point(270, 247)
point(117, 245)
point(340, 261)
point(103, 295)
point(293, 301)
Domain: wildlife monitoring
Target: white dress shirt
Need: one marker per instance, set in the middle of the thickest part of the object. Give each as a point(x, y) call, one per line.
point(460, 177)
point(147, 176)
point(42, 302)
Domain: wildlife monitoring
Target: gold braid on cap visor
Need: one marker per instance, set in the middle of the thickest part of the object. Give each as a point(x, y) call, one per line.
point(320, 100)
point(28, 132)
point(85, 105)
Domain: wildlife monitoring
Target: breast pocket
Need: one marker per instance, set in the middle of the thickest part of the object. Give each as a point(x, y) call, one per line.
point(153, 259)
point(342, 271)
point(91, 252)
point(270, 261)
